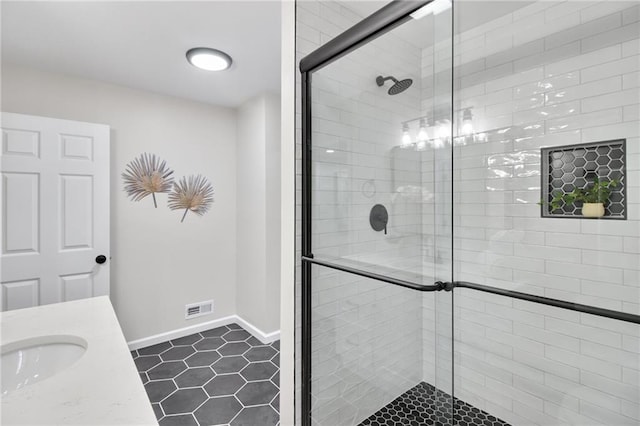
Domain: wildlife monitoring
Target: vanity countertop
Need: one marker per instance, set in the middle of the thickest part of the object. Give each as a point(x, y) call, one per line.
point(101, 388)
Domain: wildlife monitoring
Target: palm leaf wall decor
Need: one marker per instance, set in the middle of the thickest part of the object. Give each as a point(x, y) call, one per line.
point(145, 175)
point(191, 193)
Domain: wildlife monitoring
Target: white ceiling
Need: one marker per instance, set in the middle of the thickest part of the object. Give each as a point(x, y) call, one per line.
point(142, 44)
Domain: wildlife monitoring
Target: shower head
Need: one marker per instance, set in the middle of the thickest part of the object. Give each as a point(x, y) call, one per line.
point(398, 86)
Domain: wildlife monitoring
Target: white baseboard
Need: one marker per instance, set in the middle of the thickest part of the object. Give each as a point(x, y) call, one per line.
point(265, 338)
point(259, 334)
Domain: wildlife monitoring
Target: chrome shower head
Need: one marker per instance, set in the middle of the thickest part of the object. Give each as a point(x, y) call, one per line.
point(399, 86)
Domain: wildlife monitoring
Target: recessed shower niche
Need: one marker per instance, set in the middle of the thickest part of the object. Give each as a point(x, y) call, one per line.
point(566, 168)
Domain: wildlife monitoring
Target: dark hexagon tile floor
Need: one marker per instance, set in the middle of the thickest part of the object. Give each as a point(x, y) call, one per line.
point(223, 376)
point(425, 404)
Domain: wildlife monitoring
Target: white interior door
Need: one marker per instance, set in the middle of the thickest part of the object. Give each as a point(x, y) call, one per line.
point(55, 210)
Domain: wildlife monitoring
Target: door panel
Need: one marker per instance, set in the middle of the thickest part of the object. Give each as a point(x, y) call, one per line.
point(74, 147)
point(21, 224)
point(77, 286)
point(20, 294)
point(76, 198)
point(55, 195)
point(20, 142)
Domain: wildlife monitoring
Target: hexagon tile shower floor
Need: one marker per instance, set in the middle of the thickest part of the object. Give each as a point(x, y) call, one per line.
point(425, 404)
point(222, 376)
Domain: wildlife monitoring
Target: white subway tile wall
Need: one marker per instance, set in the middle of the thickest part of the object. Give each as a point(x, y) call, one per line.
point(525, 363)
point(548, 74)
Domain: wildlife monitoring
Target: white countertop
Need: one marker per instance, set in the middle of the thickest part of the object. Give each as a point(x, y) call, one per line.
point(101, 388)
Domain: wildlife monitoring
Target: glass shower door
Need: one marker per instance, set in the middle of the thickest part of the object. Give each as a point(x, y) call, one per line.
point(378, 237)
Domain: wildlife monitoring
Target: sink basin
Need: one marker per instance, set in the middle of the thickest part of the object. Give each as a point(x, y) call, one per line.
point(29, 361)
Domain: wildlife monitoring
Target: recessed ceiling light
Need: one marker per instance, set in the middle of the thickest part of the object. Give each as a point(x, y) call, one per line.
point(208, 59)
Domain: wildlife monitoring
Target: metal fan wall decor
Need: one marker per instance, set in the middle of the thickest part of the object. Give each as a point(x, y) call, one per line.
point(146, 175)
point(191, 193)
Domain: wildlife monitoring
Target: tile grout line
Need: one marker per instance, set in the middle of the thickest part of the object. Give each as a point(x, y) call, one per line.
point(240, 346)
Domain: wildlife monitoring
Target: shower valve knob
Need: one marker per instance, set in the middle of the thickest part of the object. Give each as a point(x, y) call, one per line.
point(101, 259)
point(378, 218)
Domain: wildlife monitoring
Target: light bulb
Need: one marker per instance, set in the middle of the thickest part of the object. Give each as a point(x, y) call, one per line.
point(422, 133)
point(467, 122)
point(444, 130)
point(208, 59)
point(406, 137)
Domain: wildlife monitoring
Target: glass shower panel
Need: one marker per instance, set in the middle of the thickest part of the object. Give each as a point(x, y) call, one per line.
point(437, 221)
point(366, 183)
point(381, 203)
point(367, 346)
point(546, 100)
point(377, 114)
point(529, 364)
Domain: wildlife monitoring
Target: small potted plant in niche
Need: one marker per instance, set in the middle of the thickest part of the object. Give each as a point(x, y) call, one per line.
point(594, 196)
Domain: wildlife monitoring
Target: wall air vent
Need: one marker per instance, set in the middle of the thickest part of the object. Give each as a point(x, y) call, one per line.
point(198, 309)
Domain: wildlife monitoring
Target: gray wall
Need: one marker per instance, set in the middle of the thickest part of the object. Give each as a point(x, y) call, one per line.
point(258, 210)
point(158, 264)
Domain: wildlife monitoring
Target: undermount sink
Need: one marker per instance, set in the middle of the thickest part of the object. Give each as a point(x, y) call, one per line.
point(29, 361)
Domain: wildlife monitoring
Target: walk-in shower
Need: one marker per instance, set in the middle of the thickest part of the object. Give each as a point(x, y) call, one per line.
point(452, 270)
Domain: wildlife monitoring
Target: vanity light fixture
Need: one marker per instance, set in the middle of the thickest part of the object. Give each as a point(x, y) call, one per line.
point(208, 59)
point(423, 136)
